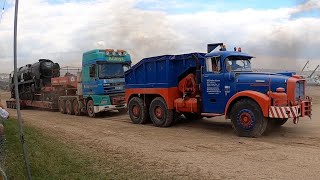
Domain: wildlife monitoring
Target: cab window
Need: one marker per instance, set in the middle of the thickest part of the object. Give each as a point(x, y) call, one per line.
point(213, 64)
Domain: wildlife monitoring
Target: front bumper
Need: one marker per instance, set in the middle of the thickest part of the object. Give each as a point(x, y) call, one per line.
point(98, 109)
point(302, 109)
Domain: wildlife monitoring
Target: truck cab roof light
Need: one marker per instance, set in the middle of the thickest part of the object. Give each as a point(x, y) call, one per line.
point(109, 51)
point(121, 52)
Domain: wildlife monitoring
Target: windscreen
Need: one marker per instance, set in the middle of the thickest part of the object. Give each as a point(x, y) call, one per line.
point(238, 64)
point(107, 71)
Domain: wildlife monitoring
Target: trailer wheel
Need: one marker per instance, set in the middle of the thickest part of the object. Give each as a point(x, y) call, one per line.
point(69, 107)
point(62, 106)
point(90, 109)
point(76, 107)
point(160, 115)
point(247, 119)
point(138, 112)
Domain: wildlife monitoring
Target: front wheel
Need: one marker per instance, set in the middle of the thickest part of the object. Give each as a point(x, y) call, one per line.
point(160, 115)
point(90, 109)
point(247, 119)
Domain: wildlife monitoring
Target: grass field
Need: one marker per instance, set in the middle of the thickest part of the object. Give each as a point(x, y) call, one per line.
point(49, 159)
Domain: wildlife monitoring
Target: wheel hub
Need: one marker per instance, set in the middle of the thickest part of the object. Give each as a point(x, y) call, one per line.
point(158, 111)
point(246, 119)
point(136, 111)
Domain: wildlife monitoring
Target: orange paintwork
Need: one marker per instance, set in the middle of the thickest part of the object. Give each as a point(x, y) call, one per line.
point(262, 99)
point(66, 81)
point(186, 105)
point(188, 85)
point(168, 94)
point(279, 98)
point(291, 85)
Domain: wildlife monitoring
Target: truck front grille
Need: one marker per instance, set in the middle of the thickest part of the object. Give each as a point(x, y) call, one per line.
point(113, 88)
point(300, 90)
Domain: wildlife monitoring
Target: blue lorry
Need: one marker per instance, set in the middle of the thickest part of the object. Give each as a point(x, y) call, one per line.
point(216, 83)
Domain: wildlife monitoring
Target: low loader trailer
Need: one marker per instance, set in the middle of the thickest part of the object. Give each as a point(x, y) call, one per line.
point(216, 83)
point(99, 87)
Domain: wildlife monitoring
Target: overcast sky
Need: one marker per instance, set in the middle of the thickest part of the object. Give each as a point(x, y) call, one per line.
point(280, 34)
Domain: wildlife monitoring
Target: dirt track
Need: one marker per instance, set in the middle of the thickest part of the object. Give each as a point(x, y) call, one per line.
point(203, 149)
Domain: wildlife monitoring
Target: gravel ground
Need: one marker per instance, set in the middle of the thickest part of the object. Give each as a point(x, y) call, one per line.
point(205, 149)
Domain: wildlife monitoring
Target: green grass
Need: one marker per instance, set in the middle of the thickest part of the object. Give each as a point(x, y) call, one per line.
point(49, 159)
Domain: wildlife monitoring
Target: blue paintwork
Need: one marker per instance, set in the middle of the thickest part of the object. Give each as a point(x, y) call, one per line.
point(166, 71)
point(160, 71)
point(100, 89)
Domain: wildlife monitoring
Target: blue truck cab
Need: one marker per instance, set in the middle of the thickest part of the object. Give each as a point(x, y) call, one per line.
point(216, 83)
point(103, 79)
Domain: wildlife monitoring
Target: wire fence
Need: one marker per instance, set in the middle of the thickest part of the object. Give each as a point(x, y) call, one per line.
point(2, 150)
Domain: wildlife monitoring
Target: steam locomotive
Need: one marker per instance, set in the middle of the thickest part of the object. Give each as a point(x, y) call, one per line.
point(33, 77)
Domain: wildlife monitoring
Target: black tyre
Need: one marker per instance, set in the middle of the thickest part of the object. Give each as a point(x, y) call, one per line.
point(90, 109)
point(277, 122)
point(138, 111)
point(192, 116)
point(247, 119)
point(69, 107)
point(76, 107)
point(160, 115)
point(62, 106)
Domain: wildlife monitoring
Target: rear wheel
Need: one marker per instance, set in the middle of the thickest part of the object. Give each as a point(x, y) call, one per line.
point(62, 106)
point(69, 107)
point(76, 107)
point(160, 115)
point(138, 112)
point(90, 109)
point(247, 119)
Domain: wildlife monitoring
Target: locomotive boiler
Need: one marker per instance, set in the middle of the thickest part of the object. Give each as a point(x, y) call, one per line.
point(33, 77)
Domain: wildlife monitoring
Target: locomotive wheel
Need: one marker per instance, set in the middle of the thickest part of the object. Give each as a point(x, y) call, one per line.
point(69, 107)
point(90, 109)
point(138, 112)
point(76, 107)
point(160, 115)
point(247, 119)
point(62, 107)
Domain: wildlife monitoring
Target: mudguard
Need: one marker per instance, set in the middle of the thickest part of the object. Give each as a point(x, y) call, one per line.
point(262, 99)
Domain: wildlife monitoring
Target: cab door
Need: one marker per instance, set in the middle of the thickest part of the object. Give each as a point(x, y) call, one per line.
point(214, 87)
point(89, 80)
